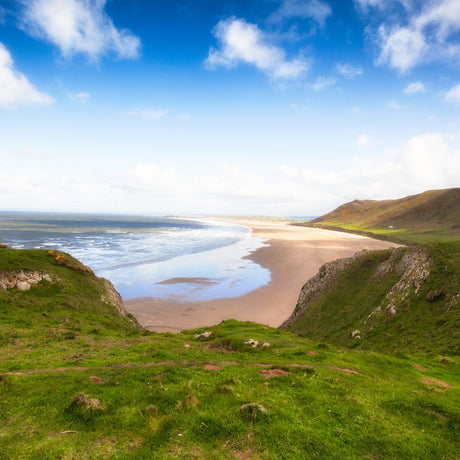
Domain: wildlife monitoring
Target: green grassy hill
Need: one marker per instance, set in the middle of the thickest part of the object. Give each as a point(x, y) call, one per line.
point(422, 218)
point(398, 300)
point(79, 380)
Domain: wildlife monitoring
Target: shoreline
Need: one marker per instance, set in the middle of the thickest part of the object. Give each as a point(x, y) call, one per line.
point(292, 254)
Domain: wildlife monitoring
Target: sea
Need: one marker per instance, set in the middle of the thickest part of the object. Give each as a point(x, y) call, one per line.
point(163, 257)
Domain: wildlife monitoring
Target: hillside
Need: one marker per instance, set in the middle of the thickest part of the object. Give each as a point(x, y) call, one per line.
point(403, 299)
point(79, 380)
point(421, 218)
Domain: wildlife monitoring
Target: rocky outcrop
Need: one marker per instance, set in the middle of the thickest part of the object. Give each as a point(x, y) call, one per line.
point(412, 266)
point(413, 269)
point(321, 283)
point(112, 297)
point(23, 280)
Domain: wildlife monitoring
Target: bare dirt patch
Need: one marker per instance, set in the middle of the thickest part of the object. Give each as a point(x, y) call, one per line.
point(268, 373)
point(342, 369)
point(420, 368)
point(212, 367)
point(430, 381)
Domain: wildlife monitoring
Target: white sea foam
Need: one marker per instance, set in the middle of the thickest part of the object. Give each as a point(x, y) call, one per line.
point(136, 254)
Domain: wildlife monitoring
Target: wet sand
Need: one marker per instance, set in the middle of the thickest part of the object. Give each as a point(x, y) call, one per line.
point(293, 256)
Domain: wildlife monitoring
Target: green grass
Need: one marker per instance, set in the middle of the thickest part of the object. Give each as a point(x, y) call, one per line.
point(332, 404)
point(429, 217)
point(408, 236)
point(419, 324)
point(179, 396)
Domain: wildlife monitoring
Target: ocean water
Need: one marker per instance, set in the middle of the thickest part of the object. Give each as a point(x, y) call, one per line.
point(148, 256)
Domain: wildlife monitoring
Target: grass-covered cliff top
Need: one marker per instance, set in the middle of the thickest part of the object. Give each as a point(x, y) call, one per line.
point(78, 380)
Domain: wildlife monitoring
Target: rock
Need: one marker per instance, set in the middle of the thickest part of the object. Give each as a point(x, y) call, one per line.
point(85, 403)
point(265, 344)
point(205, 335)
point(434, 295)
point(355, 333)
point(112, 297)
point(252, 410)
point(252, 342)
point(22, 280)
point(22, 285)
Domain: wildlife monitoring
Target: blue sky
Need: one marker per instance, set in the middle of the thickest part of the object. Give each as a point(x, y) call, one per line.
point(264, 107)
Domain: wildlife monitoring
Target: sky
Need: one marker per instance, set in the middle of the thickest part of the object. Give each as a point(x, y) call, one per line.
point(230, 107)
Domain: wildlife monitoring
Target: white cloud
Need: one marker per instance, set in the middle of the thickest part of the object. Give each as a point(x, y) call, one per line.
point(363, 141)
point(242, 42)
point(394, 105)
point(356, 109)
point(81, 97)
point(15, 88)
point(453, 95)
point(322, 83)
point(348, 70)
point(78, 27)
point(317, 10)
point(402, 47)
point(415, 87)
point(149, 115)
point(429, 161)
point(424, 32)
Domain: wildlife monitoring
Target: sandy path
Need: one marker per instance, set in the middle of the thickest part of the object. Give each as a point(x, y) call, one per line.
point(293, 256)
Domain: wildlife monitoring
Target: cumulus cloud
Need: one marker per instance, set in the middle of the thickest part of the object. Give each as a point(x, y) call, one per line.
point(242, 42)
point(423, 32)
point(149, 115)
point(15, 88)
point(348, 70)
point(323, 83)
point(78, 27)
point(453, 95)
point(414, 87)
point(316, 10)
point(429, 161)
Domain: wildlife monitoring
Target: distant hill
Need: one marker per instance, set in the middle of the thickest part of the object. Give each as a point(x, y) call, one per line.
point(429, 216)
point(401, 299)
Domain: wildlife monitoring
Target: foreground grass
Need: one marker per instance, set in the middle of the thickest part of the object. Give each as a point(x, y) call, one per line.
point(178, 396)
point(78, 381)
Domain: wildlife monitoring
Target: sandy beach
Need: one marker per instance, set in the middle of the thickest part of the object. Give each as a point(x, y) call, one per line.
point(293, 255)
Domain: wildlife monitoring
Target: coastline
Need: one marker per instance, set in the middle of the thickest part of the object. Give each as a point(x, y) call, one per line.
point(292, 254)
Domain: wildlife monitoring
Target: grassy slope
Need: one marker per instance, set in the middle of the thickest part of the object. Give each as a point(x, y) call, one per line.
point(419, 324)
point(160, 398)
point(424, 218)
